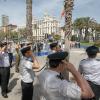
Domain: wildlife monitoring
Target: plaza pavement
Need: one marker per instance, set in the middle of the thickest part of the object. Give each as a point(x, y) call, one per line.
point(76, 55)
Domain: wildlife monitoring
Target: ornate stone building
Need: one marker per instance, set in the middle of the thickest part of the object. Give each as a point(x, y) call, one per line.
point(44, 27)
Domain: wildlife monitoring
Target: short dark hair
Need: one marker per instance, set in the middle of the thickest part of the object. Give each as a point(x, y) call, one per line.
point(22, 45)
point(24, 50)
point(1, 45)
point(53, 45)
point(92, 51)
point(54, 63)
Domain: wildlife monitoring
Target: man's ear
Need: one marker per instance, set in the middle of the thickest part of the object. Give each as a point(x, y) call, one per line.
point(60, 64)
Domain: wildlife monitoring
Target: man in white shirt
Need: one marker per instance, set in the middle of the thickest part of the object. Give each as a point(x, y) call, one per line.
point(27, 64)
point(4, 70)
point(55, 47)
point(11, 50)
point(90, 69)
point(54, 87)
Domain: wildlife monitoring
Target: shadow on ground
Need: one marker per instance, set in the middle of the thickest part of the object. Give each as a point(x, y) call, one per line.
point(13, 83)
point(11, 75)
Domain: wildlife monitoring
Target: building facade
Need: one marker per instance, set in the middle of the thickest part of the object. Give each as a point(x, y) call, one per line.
point(46, 26)
point(5, 20)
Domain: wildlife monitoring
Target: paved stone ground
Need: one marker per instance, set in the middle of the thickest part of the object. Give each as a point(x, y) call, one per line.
point(76, 56)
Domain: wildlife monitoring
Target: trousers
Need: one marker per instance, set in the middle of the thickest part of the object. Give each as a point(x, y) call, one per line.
point(96, 90)
point(4, 78)
point(10, 58)
point(27, 91)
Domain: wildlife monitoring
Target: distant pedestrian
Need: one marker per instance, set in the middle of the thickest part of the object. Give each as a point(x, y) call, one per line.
point(10, 52)
point(75, 44)
point(55, 47)
point(90, 69)
point(17, 59)
point(27, 64)
point(79, 45)
point(4, 70)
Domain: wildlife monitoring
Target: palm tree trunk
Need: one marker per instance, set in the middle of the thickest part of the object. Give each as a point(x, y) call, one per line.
point(68, 7)
point(68, 21)
point(29, 33)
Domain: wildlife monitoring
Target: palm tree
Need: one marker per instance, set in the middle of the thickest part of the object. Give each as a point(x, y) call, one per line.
point(85, 23)
point(79, 25)
point(68, 7)
point(29, 19)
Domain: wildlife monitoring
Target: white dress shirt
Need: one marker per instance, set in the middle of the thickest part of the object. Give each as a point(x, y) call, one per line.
point(26, 70)
point(53, 88)
point(90, 68)
point(4, 59)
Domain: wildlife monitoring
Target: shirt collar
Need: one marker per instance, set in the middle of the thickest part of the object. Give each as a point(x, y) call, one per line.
point(25, 58)
point(58, 75)
point(91, 58)
point(53, 72)
point(29, 59)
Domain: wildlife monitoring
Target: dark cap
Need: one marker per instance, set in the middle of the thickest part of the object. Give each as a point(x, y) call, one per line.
point(58, 56)
point(25, 49)
point(92, 50)
point(52, 45)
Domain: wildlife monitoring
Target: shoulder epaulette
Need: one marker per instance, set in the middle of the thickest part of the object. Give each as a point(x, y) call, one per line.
point(98, 59)
point(83, 59)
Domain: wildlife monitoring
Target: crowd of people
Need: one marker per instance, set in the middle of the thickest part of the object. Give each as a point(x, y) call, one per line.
point(75, 44)
point(53, 80)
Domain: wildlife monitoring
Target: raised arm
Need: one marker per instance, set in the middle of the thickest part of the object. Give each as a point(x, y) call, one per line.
point(86, 91)
point(36, 64)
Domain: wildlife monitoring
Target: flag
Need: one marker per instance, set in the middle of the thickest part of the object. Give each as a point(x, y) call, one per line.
point(62, 13)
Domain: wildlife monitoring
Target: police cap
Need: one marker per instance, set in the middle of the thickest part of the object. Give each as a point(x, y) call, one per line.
point(25, 49)
point(58, 56)
point(52, 45)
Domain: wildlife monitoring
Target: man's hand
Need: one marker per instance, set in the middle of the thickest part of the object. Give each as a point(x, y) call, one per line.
point(82, 83)
point(70, 67)
point(3, 48)
point(36, 64)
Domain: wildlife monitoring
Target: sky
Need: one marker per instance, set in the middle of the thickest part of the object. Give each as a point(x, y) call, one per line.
point(16, 9)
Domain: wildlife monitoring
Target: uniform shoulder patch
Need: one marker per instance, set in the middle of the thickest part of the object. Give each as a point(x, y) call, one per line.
point(98, 59)
point(83, 59)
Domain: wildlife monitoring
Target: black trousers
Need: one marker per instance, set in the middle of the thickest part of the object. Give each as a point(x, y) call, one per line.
point(10, 58)
point(27, 91)
point(4, 79)
point(96, 90)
